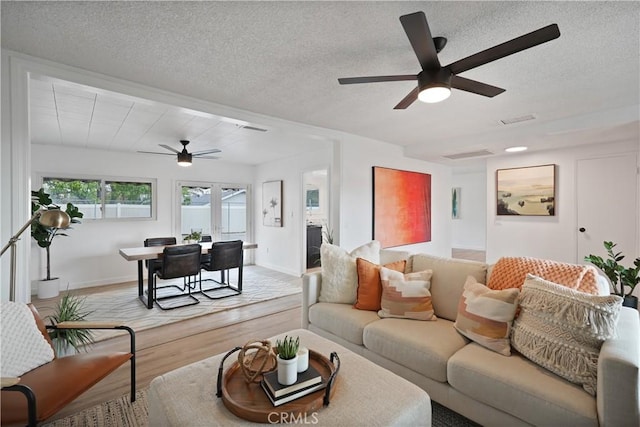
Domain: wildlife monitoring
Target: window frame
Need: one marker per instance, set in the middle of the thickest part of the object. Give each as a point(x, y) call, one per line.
point(103, 180)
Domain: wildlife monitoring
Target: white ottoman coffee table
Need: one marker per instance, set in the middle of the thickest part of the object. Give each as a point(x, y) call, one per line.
point(366, 394)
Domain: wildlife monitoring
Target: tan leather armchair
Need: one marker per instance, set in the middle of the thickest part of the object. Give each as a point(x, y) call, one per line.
point(45, 390)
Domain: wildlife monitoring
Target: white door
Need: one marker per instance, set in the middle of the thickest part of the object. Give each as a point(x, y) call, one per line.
point(606, 204)
point(215, 210)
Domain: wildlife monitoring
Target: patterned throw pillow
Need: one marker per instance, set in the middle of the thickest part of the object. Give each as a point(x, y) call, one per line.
point(562, 330)
point(23, 346)
point(339, 275)
point(369, 290)
point(485, 315)
point(510, 272)
point(406, 295)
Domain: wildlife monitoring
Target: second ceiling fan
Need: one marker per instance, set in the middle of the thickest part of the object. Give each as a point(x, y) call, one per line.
point(435, 81)
point(184, 157)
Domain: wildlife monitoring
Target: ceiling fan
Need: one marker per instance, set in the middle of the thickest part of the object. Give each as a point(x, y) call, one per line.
point(184, 157)
point(435, 81)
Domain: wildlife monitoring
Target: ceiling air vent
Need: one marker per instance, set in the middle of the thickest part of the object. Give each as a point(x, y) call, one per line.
point(468, 155)
point(253, 128)
point(514, 120)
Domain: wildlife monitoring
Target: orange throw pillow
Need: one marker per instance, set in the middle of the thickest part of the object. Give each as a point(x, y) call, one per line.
point(369, 291)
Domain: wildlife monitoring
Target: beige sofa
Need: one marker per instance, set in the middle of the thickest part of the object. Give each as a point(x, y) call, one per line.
point(488, 388)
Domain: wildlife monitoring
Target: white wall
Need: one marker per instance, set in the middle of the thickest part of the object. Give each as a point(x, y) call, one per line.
point(281, 248)
point(469, 231)
point(358, 156)
point(88, 256)
point(553, 237)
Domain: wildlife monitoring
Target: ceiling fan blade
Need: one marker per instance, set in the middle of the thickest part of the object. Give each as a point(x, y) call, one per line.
point(169, 148)
point(376, 79)
point(208, 157)
point(407, 100)
point(474, 86)
point(516, 45)
point(417, 29)
point(153, 152)
point(200, 153)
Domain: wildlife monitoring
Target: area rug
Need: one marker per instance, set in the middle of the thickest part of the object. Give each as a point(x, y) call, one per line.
point(123, 305)
point(122, 413)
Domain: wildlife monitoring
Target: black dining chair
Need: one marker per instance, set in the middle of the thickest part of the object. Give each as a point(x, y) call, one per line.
point(156, 264)
point(223, 257)
point(178, 261)
point(205, 258)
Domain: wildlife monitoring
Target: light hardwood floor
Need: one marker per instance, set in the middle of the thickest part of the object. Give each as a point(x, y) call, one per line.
point(469, 254)
point(166, 348)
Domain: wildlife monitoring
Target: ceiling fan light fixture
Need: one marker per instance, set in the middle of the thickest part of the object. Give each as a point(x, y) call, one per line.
point(434, 94)
point(435, 86)
point(184, 159)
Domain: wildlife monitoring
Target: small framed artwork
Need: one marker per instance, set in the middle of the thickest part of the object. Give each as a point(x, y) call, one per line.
point(455, 202)
point(272, 203)
point(526, 191)
point(401, 207)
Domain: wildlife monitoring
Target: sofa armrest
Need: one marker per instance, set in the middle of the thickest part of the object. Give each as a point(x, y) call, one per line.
point(311, 284)
point(618, 396)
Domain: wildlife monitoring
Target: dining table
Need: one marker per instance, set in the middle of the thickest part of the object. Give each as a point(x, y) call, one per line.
point(143, 253)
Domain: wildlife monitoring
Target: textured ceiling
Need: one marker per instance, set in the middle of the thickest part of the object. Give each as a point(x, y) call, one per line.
point(282, 59)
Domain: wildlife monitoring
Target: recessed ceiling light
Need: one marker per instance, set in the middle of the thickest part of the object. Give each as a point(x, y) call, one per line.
point(515, 149)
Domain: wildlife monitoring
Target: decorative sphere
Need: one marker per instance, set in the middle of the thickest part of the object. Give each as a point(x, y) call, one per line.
point(256, 358)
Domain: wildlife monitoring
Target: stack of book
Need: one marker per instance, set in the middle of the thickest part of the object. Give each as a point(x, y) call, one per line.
point(308, 382)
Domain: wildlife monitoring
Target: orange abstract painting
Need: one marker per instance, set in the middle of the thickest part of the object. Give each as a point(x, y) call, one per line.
point(401, 207)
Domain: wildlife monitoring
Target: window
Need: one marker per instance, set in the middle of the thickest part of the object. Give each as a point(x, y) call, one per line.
point(103, 198)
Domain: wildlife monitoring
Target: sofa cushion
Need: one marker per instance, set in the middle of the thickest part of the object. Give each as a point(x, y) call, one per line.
point(339, 275)
point(485, 315)
point(342, 320)
point(423, 347)
point(521, 388)
point(406, 295)
point(369, 290)
point(562, 330)
point(449, 277)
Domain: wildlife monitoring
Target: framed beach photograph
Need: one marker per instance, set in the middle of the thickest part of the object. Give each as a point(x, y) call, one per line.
point(526, 191)
point(401, 207)
point(272, 203)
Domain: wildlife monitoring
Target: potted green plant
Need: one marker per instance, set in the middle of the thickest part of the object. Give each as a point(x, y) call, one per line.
point(625, 277)
point(70, 308)
point(44, 236)
point(287, 350)
point(193, 237)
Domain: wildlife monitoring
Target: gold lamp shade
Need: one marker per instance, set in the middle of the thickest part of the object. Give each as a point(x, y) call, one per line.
point(54, 218)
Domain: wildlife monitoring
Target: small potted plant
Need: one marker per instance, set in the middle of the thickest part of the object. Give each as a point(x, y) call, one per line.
point(70, 308)
point(619, 274)
point(287, 350)
point(193, 237)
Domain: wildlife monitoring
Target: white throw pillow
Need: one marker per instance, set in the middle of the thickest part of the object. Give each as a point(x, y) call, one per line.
point(339, 272)
point(562, 330)
point(23, 346)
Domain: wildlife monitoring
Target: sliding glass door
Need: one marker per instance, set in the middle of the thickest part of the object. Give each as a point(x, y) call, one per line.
point(216, 210)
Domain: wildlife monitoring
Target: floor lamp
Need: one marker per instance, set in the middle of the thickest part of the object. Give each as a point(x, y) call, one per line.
point(49, 218)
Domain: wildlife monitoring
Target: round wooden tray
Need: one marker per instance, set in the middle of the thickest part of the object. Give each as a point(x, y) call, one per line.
point(249, 401)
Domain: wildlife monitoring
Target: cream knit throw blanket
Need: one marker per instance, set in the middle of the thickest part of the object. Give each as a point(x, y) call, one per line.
point(510, 272)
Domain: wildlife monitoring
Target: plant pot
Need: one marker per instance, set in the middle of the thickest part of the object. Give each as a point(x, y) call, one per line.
point(630, 301)
point(63, 348)
point(287, 370)
point(48, 288)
